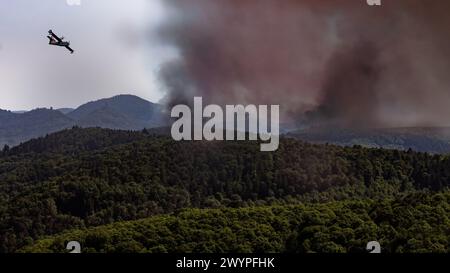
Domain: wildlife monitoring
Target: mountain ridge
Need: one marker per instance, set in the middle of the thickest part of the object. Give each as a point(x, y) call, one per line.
point(125, 112)
point(129, 112)
point(422, 139)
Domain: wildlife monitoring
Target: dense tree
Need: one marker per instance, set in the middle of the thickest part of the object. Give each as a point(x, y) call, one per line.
point(88, 177)
point(400, 225)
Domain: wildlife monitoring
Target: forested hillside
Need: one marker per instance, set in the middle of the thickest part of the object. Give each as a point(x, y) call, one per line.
point(90, 177)
point(412, 224)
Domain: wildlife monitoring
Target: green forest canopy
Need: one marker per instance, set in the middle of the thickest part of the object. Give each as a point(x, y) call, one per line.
point(414, 223)
point(83, 178)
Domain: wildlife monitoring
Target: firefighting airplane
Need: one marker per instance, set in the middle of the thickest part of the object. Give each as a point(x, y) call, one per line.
point(56, 41)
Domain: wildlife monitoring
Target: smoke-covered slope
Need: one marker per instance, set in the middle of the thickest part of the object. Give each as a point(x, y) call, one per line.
point(423, 139)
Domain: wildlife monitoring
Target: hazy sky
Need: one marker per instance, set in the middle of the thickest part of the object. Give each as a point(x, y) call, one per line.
point(114, 52)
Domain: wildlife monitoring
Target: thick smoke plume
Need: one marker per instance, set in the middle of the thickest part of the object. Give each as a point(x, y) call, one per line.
point(331, 61)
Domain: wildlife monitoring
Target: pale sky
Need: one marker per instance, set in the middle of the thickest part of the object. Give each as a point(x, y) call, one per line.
point(116, 52)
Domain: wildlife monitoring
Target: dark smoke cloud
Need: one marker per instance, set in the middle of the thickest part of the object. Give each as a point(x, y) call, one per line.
point(349, 93)
point(340, 61)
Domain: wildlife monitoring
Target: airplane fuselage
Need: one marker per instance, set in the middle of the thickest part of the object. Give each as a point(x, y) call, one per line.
point(61, 44)
point(57, 41)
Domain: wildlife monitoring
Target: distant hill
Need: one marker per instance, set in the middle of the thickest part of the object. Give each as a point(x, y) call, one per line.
point(16, 128)
point(5, 114)
point(107, 117)
point(422, 139)
point(65, 111)
point(119, 112)
point(126, 112)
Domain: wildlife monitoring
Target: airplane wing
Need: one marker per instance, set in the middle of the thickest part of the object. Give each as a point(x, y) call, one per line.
point(71, 50)
point(56, 37)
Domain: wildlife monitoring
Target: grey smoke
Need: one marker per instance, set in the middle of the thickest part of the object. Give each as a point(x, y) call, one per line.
point(340, 61)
